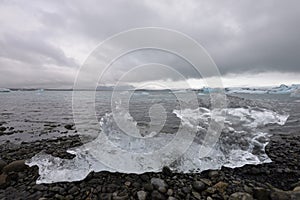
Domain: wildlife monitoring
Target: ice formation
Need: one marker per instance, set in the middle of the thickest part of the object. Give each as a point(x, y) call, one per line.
point(242, 142)
point(4, 90)
point(296, 93)
point(282, 89)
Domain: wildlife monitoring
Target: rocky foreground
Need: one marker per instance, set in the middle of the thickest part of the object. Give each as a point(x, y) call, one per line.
point(277, 180)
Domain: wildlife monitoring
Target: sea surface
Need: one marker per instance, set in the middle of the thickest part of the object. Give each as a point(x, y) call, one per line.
point(250, 120)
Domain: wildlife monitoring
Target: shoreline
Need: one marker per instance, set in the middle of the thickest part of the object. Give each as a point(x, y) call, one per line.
point(275, 180)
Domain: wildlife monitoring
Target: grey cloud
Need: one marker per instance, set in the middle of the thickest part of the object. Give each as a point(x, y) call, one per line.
point(241, 36)
point(34, 50)
point(268, 41)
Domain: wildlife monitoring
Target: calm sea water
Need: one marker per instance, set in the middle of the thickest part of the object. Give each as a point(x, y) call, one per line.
point(250, 121)
point(34, 115)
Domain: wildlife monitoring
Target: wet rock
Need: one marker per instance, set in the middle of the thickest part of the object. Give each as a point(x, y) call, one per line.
point(127, 183)
point(186, 190)
point(142, 195)
point(59, 197)
point(217, 196)
point(206, 181)
point(35, 195)
point(221, 186)
point(199, 186)
point(69, 197)
point(254, 171)
point(136, 185)
point(145, 177)
point(74, 190)
point(157, 182)
point(280, 195)
point(2, 164)
point(111, 188)
point(248, 189)
point(211, 190)
point(296, 189)
point(57, 189)
point(15, 166)
point(170, 192)
point(240, 196)
point(167, 171)
point(148, 187)
point(296, 184)
point(105, 196)
point(295, 195)
point(196, 195)
point(155, 195)
point(124, 197)
point(40, 187)
point(261, 193)
point(3, 178)
point(162, 189)
point(181, 195)
point(213, 174)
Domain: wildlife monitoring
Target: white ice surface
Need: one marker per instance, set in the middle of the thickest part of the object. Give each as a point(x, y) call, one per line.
point(241, 142)
point(282, 89)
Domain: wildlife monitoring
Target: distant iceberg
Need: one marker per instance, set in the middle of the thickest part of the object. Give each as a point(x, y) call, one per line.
point(5, 90)
point(282, 89)
point(207, 90)
point(296, 93)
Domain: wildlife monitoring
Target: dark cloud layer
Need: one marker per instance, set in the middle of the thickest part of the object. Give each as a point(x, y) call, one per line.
point(43, 43)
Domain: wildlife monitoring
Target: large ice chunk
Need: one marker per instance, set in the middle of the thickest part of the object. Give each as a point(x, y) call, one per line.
point(242, 142)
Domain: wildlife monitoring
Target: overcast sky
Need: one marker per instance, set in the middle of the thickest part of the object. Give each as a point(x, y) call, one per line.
point(43, 43)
